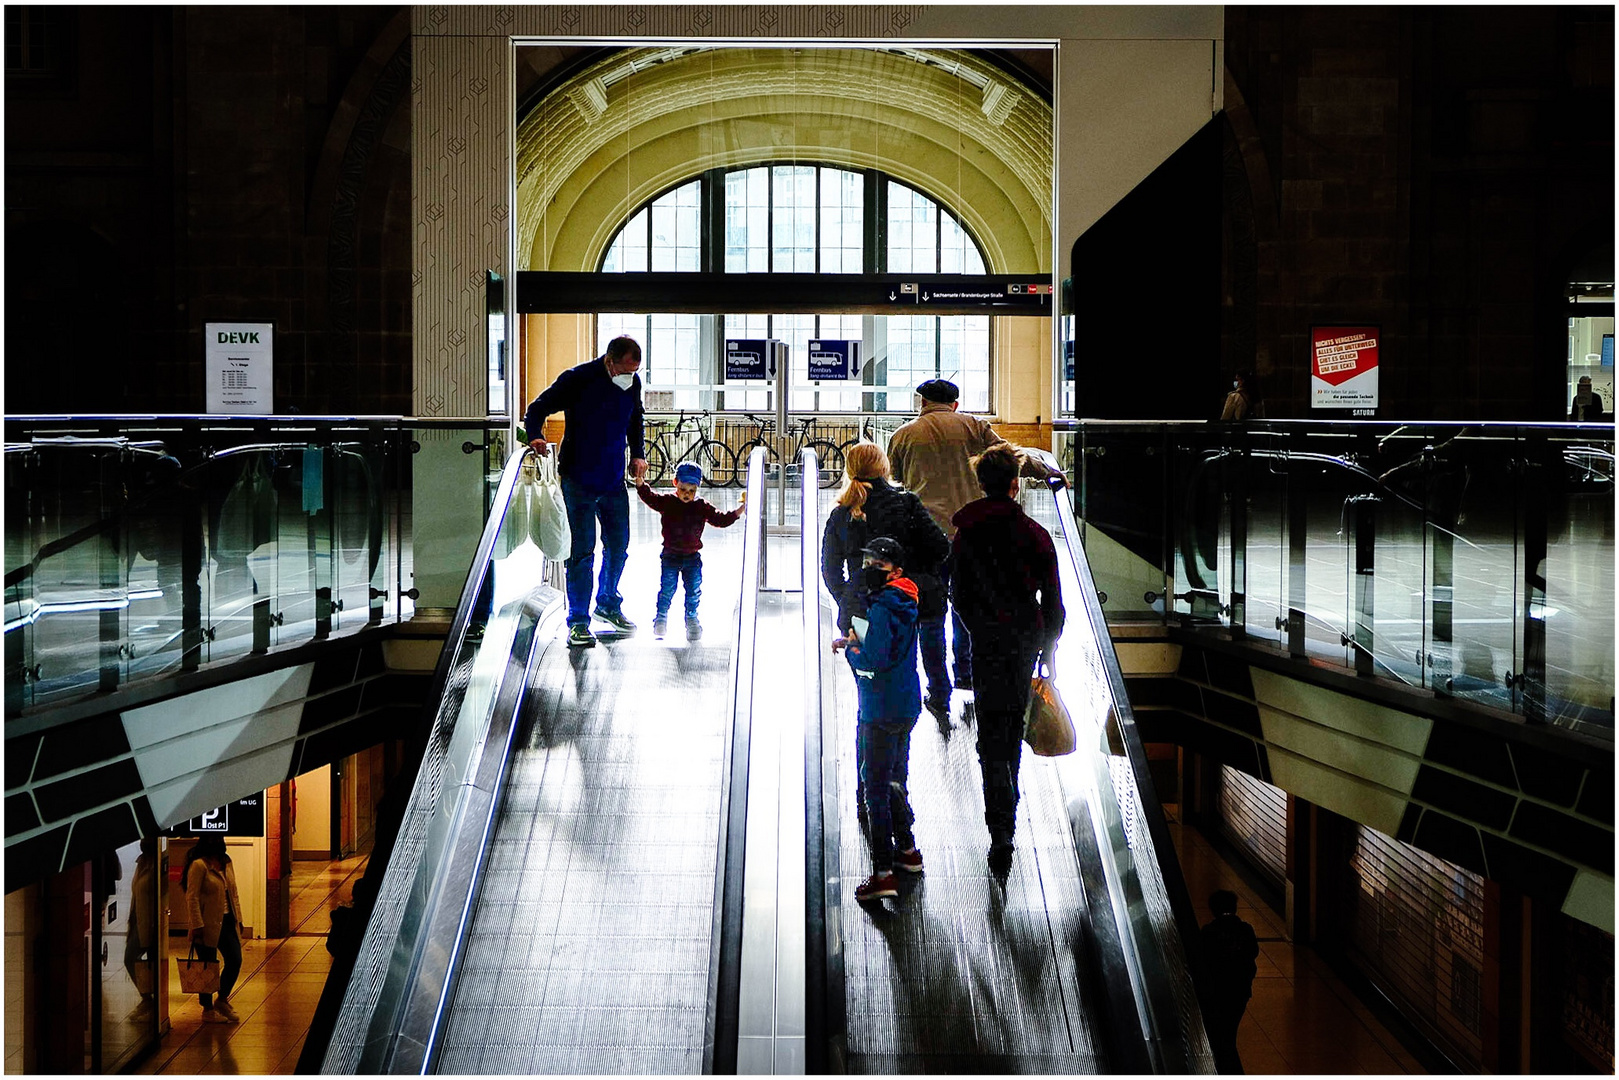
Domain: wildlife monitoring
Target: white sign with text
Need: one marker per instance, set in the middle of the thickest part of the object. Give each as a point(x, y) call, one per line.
point(239, 365)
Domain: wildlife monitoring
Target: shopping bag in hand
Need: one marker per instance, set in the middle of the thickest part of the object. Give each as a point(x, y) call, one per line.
point(198, 976)
point(550, 514)
point(1046, 726)
point(518, 528)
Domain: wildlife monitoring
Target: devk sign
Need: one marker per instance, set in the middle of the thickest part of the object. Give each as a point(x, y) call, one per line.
point(1343, 368)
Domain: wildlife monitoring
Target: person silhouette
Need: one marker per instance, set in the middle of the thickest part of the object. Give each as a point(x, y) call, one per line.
point(1230, 949)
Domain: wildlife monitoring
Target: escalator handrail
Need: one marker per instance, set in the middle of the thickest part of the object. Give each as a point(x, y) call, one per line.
point(441, 724)
point(1163, 854)
point(824, 1003)
point(723, 1023)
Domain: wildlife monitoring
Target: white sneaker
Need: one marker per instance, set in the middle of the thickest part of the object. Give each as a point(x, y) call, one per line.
point(214, 1016)
point(224, 1009)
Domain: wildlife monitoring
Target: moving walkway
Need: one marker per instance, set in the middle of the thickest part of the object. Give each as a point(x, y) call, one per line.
point(641, 857)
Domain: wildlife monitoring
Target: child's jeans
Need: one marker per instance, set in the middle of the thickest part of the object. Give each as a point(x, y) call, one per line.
point(675, 568)
point(883, 760)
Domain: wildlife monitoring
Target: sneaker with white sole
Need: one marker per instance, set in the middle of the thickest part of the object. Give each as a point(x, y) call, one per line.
point(224, 1009)
point(214, 1016)
point(878, 885)
point(694, 629)
point(580, 637)
point(909, 861)
point(616, 619)
point(660, 627)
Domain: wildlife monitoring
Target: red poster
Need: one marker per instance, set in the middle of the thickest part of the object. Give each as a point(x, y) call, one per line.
point(1343, 367)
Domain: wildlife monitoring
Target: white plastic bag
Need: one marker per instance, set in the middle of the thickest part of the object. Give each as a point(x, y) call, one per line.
point(518, 527)
point(549, 515)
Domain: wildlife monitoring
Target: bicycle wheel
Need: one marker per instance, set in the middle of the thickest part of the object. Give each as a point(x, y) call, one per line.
point(742, 454)
point(828, 463)
point(717, 462)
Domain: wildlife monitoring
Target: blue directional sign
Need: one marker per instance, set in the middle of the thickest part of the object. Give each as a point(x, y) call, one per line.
point(832, 359)
point(748, 358)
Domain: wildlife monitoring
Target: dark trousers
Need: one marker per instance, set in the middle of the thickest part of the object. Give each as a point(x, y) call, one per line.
point(678, 568)
point(1002, 668)
point(584, 508)
point(1221, 1019)
point(883, 761)
point(230, 948)
point(930, 638)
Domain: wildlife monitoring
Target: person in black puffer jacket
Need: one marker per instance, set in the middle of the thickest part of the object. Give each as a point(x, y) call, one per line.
point(871, 505)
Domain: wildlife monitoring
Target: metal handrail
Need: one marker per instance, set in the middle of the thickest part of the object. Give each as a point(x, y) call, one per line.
point(1153, 1008)
point(825, 1022)
point(723, 1022)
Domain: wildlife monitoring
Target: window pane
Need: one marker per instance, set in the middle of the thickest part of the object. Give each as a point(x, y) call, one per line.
point(747, 211)
point(627, 253)
point(792, 243)
point(913, 242)
point(841, 222)
point(911, 352)
point(610, 325)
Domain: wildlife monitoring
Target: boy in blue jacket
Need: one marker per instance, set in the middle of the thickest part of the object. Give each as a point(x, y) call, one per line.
point(883, 656)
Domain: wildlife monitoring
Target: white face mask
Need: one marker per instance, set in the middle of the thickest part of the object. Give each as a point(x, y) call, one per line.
point(1235, 384)
point(624, 382)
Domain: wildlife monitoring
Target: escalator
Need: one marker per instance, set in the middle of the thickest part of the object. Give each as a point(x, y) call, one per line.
point(1075, 963)
point(566, 892)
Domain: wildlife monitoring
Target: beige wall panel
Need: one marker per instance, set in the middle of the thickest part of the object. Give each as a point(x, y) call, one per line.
point(553, 344)
point(1368, 760)
point(1022, 370)
point(1590, 898)
point(1341, 793)
point(460, 155)
point(1364, 719)
point(1122, 108)
point(1148, 657)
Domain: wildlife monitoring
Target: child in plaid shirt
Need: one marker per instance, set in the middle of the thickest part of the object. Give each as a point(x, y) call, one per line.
point(684, 516)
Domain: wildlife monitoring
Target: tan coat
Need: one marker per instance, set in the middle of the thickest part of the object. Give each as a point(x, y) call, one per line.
point(206, 890)
point(930, 456)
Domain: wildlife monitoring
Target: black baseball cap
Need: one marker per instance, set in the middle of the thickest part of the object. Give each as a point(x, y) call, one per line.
point(887, 549)
point(942, 391)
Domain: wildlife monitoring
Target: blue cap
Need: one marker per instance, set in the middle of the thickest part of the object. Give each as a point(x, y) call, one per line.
point(688, 472)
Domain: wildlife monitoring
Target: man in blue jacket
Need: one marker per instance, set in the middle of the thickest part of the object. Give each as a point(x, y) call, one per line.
point(601, 404)
point(883, 656)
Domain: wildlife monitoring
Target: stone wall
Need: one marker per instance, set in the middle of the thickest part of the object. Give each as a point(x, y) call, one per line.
point(1438, 172)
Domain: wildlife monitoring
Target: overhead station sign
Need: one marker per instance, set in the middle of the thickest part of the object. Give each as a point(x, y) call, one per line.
point(970, 293)
point(829, 359)
point(750, 358)
point(244, 817)
point(1343, 368)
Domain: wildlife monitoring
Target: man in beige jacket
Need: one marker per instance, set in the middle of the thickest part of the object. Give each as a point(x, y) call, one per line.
point(932, 456)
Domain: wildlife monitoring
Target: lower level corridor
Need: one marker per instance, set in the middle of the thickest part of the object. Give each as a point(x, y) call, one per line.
point(1303, 1018)
point(276, 993)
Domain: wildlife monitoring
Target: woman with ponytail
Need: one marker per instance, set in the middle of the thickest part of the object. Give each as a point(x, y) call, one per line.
point(871, 505)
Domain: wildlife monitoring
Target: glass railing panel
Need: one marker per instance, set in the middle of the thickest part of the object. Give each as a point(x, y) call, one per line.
point(1200, 519)
point(1395, 510)
point(139, 546)
point(1475, 485)
point(1118, 473)
point(1265, 558)
point(1579, 576)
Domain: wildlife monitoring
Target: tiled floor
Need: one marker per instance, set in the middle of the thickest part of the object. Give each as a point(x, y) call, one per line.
point(275, 995)
point(1302, 1018)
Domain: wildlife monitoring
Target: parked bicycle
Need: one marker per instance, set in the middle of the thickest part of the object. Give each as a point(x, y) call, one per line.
point(689, 438)
point(828, 455)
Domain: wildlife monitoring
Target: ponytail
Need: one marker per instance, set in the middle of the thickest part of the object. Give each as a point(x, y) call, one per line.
point(864, 462)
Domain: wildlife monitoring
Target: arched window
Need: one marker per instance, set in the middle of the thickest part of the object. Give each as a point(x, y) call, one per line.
point(800, 219)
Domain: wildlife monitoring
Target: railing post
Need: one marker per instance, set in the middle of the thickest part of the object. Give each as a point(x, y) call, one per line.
point(192, 523)
point(1298, 524)
point(1363, 528)
point(1236, 486)
point(1531, 679)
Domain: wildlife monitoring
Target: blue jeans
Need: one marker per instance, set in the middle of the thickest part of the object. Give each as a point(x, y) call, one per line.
point(676, 568)
point(584, 507)
point(883, 760)
point(930, 637)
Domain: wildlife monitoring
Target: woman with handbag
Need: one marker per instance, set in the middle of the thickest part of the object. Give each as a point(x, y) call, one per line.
point(215, 908)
